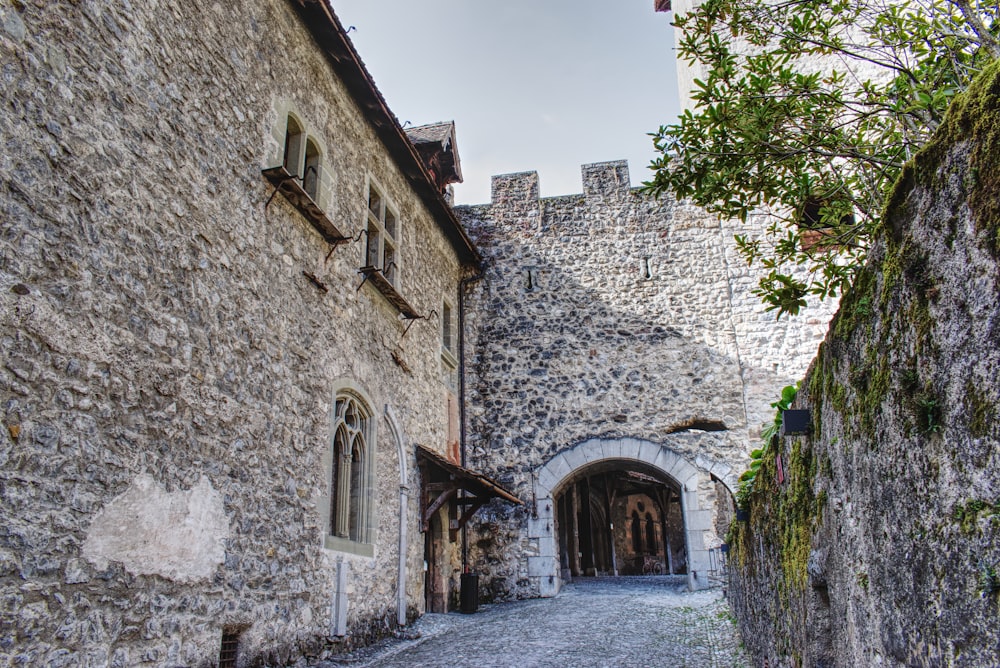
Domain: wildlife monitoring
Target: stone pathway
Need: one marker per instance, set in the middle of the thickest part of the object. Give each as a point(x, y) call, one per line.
point(627, 621)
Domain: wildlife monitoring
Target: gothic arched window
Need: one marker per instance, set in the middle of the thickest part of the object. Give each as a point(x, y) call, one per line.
point(351, 464)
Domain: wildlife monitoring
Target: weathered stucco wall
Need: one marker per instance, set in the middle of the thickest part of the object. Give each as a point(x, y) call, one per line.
point(167, 369)
point(882, 546)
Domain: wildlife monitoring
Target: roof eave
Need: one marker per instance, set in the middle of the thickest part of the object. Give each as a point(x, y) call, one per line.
point(326, 29)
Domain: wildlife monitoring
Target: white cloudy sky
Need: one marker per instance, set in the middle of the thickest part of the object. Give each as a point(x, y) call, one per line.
point(544, 85)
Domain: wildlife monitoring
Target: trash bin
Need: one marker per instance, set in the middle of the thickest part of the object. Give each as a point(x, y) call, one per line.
point(469, 594)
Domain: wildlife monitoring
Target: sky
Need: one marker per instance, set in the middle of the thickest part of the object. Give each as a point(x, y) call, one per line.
point(532, 85)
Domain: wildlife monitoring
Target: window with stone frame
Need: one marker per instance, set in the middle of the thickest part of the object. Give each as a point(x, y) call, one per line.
point(448, 332)
point(302, 158)
point(650, 534)
point(382, 251)
point(817, 232)
point(351, 470)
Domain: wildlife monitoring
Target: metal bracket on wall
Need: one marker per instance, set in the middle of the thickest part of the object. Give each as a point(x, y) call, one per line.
point(291, 186)
point(355, 240)
point(315, 281)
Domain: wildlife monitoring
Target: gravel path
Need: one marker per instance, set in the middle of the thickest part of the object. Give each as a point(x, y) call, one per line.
point(639, 621)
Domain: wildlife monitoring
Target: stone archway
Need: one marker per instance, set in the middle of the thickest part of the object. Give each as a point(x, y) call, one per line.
point(544, 568)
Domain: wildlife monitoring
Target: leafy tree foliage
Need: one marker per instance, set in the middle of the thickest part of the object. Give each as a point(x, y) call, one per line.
point(807, 111)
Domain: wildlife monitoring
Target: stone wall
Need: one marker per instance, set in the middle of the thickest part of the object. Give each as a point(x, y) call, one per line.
point(611, 316)
point(168, 368)
point(881, 545)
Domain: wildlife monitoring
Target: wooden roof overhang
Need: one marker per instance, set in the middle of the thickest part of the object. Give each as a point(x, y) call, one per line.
point(442, 482)
point(332, 39)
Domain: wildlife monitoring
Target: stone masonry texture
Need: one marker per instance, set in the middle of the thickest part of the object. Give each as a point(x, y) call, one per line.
point(880, 547)
point(611, 315)
point(167, 369)
point(174, 336)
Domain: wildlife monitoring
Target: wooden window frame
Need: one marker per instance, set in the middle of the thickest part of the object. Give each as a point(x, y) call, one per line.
point(448, 335)
point(383, 249)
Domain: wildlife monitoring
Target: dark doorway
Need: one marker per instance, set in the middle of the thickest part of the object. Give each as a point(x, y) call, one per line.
point(435, 582)
point(620, 518)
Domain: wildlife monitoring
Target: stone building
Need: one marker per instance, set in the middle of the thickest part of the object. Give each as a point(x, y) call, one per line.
point(258, 378)
point(229, 286)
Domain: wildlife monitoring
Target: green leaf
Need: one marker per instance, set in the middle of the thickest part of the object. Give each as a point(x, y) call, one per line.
point(771, 129)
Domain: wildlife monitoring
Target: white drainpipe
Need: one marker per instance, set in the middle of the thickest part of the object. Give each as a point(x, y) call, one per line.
point(404, 497)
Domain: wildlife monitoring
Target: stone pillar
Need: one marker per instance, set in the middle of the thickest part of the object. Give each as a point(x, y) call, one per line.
point(574, 509)
point(543, 568)
point(696, 522)
point(338, 616)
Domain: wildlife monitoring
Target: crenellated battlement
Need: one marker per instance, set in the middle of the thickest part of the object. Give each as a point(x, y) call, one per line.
point(518, 193)
point(606, 180)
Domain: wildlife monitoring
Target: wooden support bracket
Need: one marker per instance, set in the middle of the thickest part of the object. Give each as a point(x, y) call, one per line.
point(442, 499)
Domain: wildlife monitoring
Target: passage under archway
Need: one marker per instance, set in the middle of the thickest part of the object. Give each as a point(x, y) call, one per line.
point(624, 454)
point(619, 517)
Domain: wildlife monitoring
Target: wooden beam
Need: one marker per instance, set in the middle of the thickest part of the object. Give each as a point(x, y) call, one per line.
point(442, 499)
point(609, 498)
point(469, 512)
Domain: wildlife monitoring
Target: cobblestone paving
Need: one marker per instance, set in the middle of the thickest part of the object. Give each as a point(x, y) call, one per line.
point(647, 621)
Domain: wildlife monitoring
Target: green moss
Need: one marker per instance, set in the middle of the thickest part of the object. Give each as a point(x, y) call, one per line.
point(820, 505)
point(989, 581)
point(797, 517)
point(974, 116)
point(869, 402)
point(967, 515)
point(856, 305)
point(982, 412)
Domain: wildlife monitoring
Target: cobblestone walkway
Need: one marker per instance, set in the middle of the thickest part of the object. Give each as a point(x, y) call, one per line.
point(648, 621)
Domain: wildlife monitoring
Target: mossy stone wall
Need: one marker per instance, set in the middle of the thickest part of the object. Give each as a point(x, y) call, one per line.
point(881, 546)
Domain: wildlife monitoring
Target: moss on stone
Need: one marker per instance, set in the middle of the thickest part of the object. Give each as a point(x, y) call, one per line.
point(869, 403)
point(967, 515)
point(856, 305)
point(795, 515)
point(974, 116)
point(982, 411)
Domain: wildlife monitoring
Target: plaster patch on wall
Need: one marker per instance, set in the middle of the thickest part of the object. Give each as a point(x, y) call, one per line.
point(177, 535)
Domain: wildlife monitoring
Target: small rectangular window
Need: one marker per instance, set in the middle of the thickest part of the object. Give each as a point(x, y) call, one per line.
point(229, 648)
point(447, 336)
point(390, 224)
point(374, 242)
point(294, 136)
point(383, 237)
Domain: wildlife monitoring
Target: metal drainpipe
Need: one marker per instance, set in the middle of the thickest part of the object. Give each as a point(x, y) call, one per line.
point(462, 284)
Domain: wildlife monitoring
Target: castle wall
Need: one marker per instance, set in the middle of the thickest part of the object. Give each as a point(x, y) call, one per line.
point(169, 370)
point(613, 316)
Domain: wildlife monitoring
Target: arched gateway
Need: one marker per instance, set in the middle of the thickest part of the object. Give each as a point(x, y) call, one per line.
point(600, 454)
